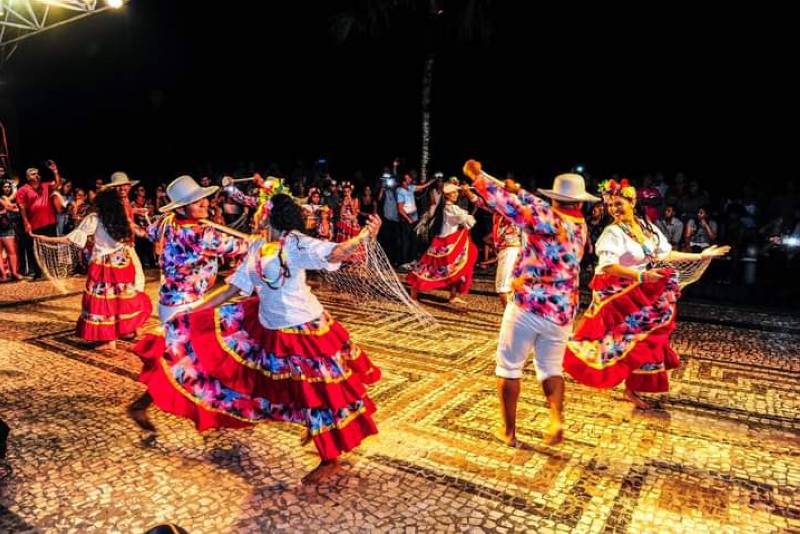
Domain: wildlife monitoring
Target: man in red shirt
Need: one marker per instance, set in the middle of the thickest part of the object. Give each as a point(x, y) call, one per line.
point(37, 211)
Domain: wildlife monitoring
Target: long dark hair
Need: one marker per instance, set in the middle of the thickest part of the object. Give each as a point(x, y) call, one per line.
point(641, 214)
point(285, 216)
point(438, 217)
point(112, 214)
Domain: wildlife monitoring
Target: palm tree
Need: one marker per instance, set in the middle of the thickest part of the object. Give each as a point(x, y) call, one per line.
point(439, 21)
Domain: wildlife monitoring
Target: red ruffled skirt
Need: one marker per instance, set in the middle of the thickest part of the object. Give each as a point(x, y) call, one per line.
point(111, 306)
point(624, 335)
point(448, 263)
point(222, 368)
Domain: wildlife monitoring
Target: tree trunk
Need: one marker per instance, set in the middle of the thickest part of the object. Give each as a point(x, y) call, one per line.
point(427, 82)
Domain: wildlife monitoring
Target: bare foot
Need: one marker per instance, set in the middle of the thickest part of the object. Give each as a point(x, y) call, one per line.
point(305, 439)
point(457, 301)
point(509, 441)
point(325, 469)
point(111, 345)
point(637, 401)
point(554, 435)
point(140, 417)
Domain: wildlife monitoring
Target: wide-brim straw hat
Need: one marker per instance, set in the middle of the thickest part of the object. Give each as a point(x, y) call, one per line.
point(183, 191)
point(118, 179)
point(569, 188)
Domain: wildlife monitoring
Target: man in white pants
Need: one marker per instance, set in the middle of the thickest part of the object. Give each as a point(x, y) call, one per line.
point(545, 292)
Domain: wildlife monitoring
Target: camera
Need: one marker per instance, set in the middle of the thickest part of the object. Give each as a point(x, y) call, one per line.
point(388, 180)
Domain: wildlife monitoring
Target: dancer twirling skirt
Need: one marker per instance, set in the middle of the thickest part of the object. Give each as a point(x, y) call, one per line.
point(450, 259)
point(277, 357)
point(624, 334)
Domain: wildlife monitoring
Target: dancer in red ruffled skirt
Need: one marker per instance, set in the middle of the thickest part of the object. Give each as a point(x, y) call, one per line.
point(450, 259)
point(278, 357)
point(114, 304)
point(624, 335)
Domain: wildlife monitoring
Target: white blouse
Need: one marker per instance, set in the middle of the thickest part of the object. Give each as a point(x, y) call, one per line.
point(615, 247)
point(455, 217)
point(104, 244)
point(291, 303)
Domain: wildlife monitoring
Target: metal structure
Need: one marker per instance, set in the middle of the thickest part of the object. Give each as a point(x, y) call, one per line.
point(21, 19)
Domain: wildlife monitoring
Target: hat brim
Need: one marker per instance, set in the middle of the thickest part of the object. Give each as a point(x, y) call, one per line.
point(203, 192)
point(109, 186)
point(586, 197)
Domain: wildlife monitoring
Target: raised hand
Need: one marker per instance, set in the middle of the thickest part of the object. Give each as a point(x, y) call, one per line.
point(472, 169)
point(373, 225)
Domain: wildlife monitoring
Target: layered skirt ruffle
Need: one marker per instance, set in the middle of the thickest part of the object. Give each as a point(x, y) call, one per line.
point(448, 263)
point(112, 304)
point(222, 368)
point(624, 335)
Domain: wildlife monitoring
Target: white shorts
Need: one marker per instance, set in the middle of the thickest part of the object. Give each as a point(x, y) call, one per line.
point(522, 331)
point(506, 259)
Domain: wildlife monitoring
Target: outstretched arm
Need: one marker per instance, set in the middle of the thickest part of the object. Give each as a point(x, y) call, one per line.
point(219, 296)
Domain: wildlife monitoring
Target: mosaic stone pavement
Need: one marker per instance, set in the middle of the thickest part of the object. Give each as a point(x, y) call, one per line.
point(722, 454)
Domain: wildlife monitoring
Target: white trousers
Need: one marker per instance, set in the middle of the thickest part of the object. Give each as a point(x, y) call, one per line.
point(522, 331)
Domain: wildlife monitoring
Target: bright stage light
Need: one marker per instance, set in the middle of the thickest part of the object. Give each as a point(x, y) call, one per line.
point(116, 4)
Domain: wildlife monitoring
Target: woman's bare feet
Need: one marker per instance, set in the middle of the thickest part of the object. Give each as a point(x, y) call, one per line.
point(305, 439)
point(637, 401)
point(325, 469)
point(110, 345)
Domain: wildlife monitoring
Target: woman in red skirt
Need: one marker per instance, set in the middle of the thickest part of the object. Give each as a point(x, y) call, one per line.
point(450, 259)
point(624, 334)
point(275, 357)
point(114, 304)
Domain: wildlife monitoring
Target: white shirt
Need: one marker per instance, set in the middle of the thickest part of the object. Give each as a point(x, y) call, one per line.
point(615, 247)
point(455, 217)
point(291, 303)
point(104, 244)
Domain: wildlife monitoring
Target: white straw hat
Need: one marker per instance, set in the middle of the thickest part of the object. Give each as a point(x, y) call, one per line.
point(569, 188)
point(183, 191)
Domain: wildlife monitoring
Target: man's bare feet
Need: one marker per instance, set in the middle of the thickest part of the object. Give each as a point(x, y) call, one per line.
point(637, 401)
point(554, 434)
point(509, 441)
point(325, 469)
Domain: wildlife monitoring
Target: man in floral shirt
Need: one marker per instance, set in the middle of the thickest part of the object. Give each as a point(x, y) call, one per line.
point(190, 254)
point(545, 288)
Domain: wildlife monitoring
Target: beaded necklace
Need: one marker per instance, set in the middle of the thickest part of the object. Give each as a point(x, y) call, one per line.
point(648, 252)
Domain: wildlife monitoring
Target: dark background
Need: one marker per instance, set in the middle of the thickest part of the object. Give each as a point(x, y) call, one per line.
point(166, 87)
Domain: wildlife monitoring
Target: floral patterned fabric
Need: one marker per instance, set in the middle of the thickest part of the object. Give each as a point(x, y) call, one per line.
point(505, 233)
point(190, 256)
point(448, 263)
point(222, 368)
point(546, 273)
point(624, 334)
point(112, 306)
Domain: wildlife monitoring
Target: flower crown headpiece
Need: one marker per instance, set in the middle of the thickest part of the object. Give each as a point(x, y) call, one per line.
point(271, 187)
point(612, 188)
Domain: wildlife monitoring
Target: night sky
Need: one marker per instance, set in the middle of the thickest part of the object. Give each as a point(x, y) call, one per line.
point(165, 87)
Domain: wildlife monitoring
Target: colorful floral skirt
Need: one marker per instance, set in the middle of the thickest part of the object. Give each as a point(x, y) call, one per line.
point(346, 230)
point(221, 368)
point(624, 335)
point(112, 306)
point(448, 263)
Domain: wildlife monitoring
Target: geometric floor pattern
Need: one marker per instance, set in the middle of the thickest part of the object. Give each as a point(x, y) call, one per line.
point(720, 454)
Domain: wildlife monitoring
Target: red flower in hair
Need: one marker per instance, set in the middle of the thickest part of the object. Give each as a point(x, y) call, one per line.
point(612, 184)
point(624, 182)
